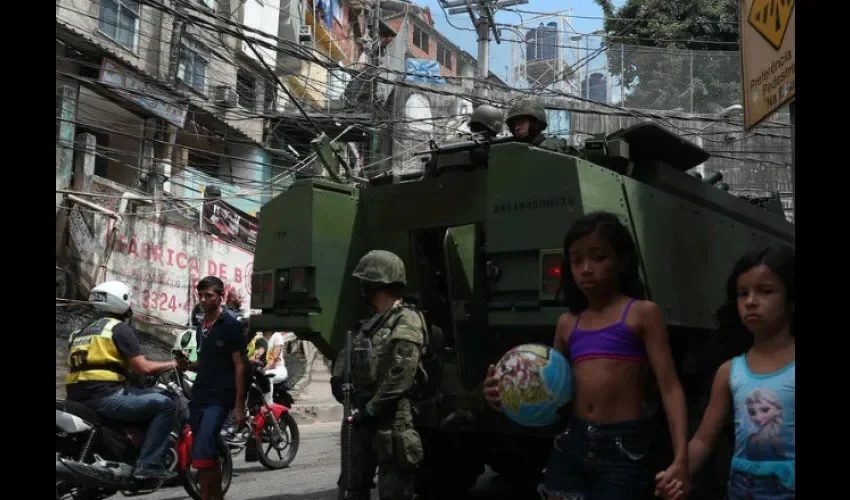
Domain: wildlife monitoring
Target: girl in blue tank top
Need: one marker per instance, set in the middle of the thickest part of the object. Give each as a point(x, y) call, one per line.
point(758, 385)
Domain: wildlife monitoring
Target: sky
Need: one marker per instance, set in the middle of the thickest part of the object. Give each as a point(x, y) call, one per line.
point(500, 54)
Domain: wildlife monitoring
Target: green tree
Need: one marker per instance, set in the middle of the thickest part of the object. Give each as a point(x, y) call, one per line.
point(657, 75)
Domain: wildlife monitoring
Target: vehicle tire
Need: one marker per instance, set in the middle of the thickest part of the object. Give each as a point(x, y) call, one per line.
point(289, 429)
point(190, 477)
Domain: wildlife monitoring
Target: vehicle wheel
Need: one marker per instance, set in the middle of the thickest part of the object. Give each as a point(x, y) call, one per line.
point(225, 461)
point(278, 448)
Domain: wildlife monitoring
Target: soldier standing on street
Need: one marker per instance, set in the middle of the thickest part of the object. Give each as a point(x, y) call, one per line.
point(527, 121)
point(386, 357)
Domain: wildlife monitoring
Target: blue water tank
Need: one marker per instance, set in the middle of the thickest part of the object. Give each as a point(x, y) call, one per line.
point(547, 40)
point(531, 44)
point(598, 88)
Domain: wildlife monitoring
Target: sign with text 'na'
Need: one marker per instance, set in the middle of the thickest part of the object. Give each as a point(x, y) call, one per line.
point(767, 57)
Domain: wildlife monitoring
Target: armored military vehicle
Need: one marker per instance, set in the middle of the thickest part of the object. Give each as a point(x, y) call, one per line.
point(480, 232)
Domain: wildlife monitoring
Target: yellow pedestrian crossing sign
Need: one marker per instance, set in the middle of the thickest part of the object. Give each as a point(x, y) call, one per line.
point(770, 18)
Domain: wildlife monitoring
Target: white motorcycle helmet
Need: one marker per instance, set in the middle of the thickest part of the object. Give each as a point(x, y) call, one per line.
point(111, 297)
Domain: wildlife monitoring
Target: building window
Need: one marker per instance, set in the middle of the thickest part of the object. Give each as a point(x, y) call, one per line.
point(559, 123)
point(193, 64)
point(246, 89)
point(444, 56)
point(420, 38)
point(209, 4)
point(337, 82)
point(119, 20)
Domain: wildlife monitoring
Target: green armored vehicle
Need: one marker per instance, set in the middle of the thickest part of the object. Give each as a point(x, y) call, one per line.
point(480, 233)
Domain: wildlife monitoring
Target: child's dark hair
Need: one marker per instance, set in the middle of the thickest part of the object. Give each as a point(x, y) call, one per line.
point(733, 337)
point(211, 282)
point(620, 239)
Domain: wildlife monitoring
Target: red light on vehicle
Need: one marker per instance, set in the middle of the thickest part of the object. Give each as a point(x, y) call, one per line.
point(551, 273)
point(298, 279)
point(552, 267)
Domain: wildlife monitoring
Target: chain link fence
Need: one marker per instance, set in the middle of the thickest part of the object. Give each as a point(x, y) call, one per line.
point(641, 77)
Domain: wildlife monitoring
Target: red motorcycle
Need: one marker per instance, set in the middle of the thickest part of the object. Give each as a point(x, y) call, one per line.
point(95, 456)
point(271, 433)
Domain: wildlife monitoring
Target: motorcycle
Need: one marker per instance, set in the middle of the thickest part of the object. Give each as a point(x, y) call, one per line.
point(95, 455)
point(258, 428)
point(266, 424)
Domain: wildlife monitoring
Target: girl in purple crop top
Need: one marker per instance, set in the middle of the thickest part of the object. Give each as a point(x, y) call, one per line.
point(611, 335)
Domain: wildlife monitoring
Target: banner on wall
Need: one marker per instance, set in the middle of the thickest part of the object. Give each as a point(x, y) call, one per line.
point(162, 264)
point(230, 224)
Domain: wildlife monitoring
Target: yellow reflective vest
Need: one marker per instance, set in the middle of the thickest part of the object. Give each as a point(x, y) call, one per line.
point(93, 355)
point(253, 344)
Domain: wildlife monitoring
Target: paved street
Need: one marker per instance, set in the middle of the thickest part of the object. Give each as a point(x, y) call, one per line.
point(313, 475)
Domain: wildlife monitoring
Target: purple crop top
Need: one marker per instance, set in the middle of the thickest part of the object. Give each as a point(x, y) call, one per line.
point(616, 341)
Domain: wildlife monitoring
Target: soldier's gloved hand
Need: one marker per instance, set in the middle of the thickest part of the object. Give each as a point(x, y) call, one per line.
point(360, 418)
point(336, 389)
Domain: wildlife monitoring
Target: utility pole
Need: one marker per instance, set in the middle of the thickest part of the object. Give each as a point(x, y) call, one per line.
point(485, 24)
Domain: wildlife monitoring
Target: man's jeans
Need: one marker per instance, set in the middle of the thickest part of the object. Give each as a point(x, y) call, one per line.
point(138, 406)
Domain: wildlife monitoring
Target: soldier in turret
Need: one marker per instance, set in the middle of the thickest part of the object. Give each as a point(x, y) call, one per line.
point(486, 121)
point(527, 121)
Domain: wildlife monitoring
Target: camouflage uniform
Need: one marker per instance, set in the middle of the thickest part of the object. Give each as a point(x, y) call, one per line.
point(387, 352)
point(531, 109)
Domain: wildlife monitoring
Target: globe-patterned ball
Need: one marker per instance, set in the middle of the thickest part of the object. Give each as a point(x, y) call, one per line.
point(535, 382)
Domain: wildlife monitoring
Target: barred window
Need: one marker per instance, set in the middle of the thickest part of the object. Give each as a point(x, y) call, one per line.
point(119, 20)
point(194, 58)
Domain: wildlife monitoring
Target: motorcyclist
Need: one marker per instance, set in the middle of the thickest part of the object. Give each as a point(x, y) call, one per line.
point(101, 356)
point(527, 120)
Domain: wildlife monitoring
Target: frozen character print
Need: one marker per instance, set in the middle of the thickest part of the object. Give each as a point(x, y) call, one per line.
point(765, 411)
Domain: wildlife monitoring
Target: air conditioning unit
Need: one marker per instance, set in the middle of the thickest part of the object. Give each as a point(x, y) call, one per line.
point(225, 96)
point(305, 33)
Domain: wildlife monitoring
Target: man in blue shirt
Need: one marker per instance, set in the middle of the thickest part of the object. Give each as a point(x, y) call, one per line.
point(219, 384)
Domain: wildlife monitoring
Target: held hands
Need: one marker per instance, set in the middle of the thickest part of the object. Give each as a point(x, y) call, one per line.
point(673, 483)
point(491, 389)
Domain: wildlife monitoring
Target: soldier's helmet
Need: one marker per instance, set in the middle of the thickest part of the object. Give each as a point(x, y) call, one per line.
point(486, 117)
point(528, 108)
point(380, 266)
